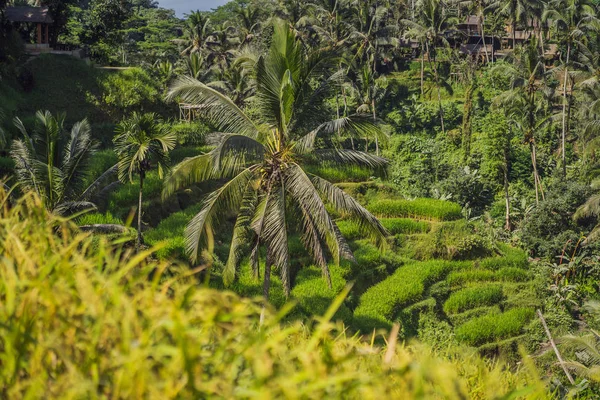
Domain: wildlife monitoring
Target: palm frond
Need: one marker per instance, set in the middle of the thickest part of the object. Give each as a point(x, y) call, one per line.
point(343, 202)
point(217, 108)
point(275, 233)
point(216, 205)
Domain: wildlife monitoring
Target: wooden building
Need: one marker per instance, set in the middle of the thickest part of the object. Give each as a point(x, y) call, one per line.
point(32, 19)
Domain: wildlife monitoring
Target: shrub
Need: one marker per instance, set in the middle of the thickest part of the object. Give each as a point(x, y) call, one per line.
point(473, 297)
point(379, 303)
point(494, 327)
point(129, 90)
point(430, 209)
point(467, 188)
point(550, 226)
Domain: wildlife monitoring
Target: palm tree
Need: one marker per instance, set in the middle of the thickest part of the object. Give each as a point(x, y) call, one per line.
point(368, 91)
point(195, 63)
point(522, 102)
point(55, 163)
point(250, 19)
point(372, 32)
point(140, 141)
point(434, 20)
point(517, 11)
point(569, 18)
point(196, 30)
point(235, 83)
point(262, 157)
point(220, 46)
point(332, 27)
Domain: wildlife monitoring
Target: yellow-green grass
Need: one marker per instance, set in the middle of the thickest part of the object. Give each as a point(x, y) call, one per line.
point(85, 321)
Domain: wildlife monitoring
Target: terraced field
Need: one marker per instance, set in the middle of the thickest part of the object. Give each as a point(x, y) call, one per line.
point(436, 264)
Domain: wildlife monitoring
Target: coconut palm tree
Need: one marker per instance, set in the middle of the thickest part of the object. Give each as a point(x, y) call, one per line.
point(197, 29)
point(433, 21)
point(261, 157)
point(517, 11)
point(141, 141)
point(54, 163)
point(569, 17)
point(368, 92)
point(523, 103)
point(235, 83)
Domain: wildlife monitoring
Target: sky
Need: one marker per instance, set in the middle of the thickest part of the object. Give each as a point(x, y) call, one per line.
point(185, 6)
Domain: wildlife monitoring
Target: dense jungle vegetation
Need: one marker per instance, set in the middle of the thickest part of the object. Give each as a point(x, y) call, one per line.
point(303, 199)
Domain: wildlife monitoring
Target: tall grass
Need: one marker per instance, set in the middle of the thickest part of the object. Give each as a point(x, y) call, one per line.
point(83, 321)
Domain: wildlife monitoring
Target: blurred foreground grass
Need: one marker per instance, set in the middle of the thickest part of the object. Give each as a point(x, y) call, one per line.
point(82, 318)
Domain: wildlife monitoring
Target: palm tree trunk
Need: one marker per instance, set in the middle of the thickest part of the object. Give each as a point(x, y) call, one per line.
point(514, 34)
point(539, 190)
point(266, 286)
point(422, 71)
point(467, 122)
point(437, 83)
point(535, 178)
point(506, 183)
point(140, 239)
point(375, 121)
point(487, 57)
point(564, 113)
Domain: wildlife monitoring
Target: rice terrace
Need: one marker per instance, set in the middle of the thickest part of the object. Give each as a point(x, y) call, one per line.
point(300, 199)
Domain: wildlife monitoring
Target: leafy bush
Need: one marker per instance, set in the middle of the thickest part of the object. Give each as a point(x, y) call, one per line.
point(550, 226)
point(430, 209)
point(467, 188)
point(129, 90)
point(489, 328)
point(379, 304)
point(473, 297)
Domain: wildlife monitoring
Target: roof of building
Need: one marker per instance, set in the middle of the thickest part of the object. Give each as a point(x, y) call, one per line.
point(29, 14)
